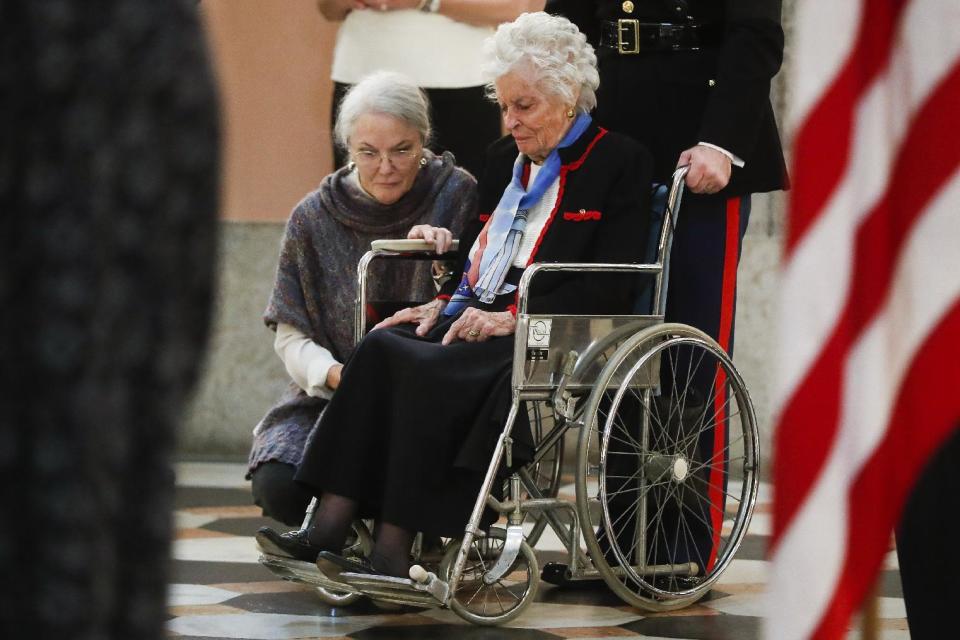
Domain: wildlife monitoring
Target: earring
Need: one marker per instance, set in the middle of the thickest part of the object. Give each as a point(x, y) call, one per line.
point(351, 165)
point(571, 113)
point(423, 161)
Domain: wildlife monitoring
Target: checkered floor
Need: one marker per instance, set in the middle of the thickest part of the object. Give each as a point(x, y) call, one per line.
point(220, 591)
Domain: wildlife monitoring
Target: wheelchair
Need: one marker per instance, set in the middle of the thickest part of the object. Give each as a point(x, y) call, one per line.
point(667, 461)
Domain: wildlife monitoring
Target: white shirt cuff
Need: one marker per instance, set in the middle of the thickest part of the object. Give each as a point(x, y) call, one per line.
point(305, 360)
point(734, 160)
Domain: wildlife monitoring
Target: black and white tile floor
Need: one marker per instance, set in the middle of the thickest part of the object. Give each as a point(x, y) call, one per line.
point(219, 590)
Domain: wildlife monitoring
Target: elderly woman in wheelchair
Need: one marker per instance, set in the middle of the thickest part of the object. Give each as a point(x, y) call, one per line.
point(392, 184)
point(430, 429)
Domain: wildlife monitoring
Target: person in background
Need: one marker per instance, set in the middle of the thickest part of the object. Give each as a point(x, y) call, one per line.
point(690, 79)
point(437, 43)
point(392, 186)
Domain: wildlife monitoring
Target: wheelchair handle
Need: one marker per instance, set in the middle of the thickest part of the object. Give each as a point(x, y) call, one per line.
point(660, 268)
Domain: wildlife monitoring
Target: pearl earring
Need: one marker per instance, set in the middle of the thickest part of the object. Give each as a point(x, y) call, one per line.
point(423, 161)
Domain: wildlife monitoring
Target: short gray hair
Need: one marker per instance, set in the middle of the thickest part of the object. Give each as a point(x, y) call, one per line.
point(553, 49)
point(386, 92)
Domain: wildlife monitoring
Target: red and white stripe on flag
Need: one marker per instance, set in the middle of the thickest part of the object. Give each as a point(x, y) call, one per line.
point(869, 364)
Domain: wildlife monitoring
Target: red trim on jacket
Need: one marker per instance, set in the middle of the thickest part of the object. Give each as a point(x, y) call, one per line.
point(564, 169)
point(573, 166)
point(579, 161)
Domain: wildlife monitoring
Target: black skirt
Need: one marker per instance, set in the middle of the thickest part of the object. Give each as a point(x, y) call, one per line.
point(410, 431)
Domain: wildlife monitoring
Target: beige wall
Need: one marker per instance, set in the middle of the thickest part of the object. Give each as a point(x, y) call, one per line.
point(272, 59)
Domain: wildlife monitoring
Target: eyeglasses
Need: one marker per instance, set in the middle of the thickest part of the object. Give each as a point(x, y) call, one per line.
point(398, 158)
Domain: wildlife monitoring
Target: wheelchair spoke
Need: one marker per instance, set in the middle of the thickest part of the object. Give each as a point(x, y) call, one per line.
point(690, 536)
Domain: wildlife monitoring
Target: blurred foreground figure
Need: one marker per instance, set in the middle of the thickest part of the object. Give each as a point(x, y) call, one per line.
point(108, 163)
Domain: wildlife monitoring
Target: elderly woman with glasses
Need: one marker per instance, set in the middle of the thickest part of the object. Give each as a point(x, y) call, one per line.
point(409, 435)
point(392, 185)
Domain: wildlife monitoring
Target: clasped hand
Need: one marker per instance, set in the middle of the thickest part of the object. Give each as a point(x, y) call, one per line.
point(473, 325)
point(709, 169)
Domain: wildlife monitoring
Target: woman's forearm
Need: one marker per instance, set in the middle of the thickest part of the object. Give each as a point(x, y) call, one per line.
point(488, 12)
point(334, 10)
point(306, 362)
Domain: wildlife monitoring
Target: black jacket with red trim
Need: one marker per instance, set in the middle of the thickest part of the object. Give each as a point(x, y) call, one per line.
point(602, 214)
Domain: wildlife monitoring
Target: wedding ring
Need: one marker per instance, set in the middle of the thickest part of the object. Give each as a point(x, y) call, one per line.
point(473, 333)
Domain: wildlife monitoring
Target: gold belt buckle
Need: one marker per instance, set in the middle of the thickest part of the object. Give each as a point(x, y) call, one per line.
point(626, 25)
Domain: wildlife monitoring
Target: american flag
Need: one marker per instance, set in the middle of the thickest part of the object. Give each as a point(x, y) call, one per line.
point(869, 363)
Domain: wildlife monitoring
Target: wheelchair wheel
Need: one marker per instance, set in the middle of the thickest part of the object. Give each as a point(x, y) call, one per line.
point(546, 472)
point(667, 468)
point(359, 545)
point(491, 604)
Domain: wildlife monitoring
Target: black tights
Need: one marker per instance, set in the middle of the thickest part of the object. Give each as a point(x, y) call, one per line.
point(331, 524)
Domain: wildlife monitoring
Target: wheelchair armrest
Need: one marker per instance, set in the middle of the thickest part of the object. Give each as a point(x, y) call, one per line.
point(580, 267)
point(404, 245)
point(390, 249)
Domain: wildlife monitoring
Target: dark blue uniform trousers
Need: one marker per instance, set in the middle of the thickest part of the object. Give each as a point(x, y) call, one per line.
point(702, 292)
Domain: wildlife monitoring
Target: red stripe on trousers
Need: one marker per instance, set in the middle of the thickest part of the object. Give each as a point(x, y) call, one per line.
point(929, 156)
point(731, 257)
point(926, 411)
point(822, 144)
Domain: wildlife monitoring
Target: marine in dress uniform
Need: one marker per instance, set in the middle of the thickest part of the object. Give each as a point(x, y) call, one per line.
point(690, 79)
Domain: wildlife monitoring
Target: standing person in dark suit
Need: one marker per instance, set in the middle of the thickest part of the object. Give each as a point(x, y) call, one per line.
point(690, 79)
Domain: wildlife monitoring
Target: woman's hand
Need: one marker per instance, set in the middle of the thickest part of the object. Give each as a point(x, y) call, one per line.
point(475, 325)
point(333, 375)
point(440, 237)
point(425, 315)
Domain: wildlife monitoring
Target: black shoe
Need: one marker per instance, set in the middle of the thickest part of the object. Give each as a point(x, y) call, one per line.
point(293, 544)
point(332, 565)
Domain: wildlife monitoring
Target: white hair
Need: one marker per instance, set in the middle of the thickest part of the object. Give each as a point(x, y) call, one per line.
point(388, 93)
point(551, 49)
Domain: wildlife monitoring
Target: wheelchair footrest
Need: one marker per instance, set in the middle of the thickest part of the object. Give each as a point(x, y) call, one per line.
point(390, 589)
point(303, 572)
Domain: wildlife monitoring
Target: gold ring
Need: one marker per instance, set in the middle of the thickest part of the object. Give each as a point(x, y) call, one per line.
point(473, 333)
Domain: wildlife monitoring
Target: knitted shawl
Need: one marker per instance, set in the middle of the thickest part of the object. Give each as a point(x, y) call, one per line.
point(315, 286)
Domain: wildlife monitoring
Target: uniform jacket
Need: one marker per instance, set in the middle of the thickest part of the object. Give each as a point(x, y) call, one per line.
point(719, 94)
point(602, 214)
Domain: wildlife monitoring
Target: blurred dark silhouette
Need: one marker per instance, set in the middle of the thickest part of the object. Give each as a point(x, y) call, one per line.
point(926, 537)
point(108, 202)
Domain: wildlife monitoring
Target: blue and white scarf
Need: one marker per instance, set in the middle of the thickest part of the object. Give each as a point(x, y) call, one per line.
point(499, 241)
